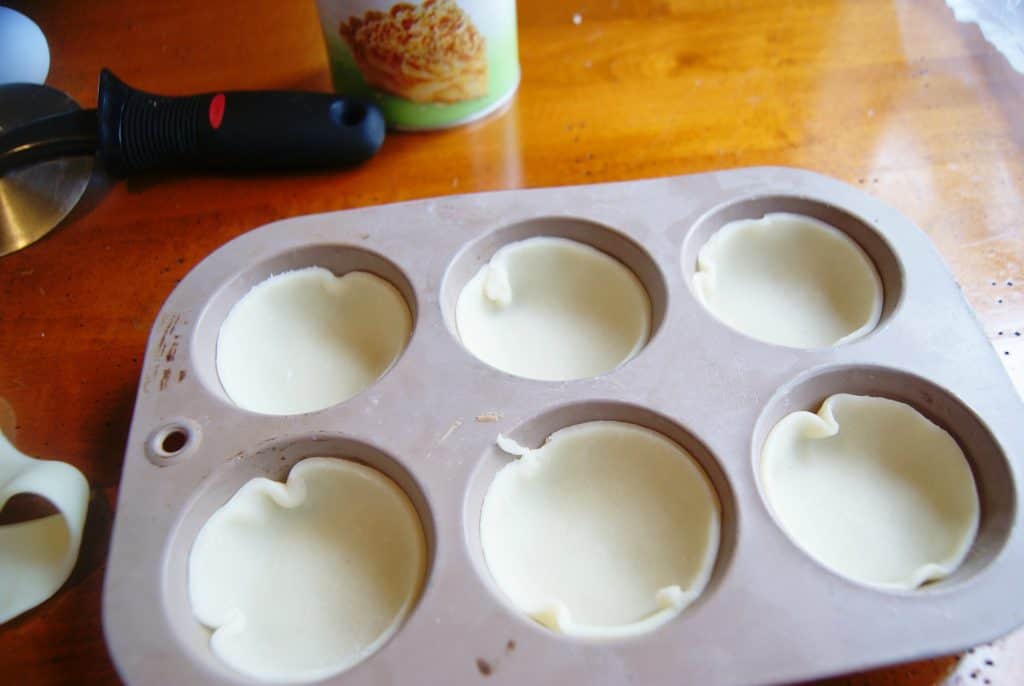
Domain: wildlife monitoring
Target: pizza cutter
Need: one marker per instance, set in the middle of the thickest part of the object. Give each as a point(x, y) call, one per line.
point(48, 144)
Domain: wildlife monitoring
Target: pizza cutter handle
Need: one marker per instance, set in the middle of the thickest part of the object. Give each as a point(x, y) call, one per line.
point(236, 131)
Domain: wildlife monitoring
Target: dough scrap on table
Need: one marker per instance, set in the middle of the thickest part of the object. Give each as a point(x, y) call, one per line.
point(37, 556)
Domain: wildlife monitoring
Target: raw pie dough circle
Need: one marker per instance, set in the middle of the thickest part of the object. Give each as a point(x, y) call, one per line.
point(553, 309)
point(790, 280)
point(307, 339)
point(302, 580)
point(873, 490)
point(607, 530)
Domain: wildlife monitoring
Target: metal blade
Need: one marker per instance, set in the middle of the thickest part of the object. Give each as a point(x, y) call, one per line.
point(61, 135)
point(36, 198)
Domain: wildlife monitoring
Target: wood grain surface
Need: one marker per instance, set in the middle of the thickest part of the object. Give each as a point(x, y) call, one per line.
point(891, 95)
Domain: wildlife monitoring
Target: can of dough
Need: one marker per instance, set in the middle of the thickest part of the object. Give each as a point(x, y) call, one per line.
point(428, 65)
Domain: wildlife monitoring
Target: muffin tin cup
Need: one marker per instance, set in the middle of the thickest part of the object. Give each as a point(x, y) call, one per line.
point(770, 614)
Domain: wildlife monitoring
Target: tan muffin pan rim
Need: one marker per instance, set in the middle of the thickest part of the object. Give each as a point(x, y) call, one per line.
point(769, 614)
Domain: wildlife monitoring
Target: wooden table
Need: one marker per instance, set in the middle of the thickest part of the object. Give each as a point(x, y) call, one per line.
point(893, 96)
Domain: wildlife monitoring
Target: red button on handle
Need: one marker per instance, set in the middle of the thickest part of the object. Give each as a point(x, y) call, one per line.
point(216, 112)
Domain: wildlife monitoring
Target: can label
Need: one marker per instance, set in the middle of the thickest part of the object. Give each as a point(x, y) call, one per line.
point(428, 65)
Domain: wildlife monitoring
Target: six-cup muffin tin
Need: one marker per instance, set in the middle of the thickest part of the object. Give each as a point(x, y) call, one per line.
point(769, 615)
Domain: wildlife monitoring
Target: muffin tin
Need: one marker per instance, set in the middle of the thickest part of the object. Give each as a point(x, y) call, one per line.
point(769, 613)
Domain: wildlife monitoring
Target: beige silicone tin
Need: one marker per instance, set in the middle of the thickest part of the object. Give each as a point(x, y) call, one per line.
point(769, 615)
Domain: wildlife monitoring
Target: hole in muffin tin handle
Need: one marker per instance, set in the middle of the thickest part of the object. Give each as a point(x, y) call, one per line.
point(172, 441)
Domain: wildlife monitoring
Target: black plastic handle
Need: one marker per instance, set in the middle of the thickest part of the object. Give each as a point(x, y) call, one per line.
point(239, 130)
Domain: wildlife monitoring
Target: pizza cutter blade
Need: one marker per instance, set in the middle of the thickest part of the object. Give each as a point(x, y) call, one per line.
point(34, 199)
